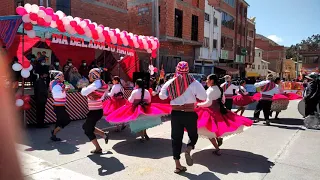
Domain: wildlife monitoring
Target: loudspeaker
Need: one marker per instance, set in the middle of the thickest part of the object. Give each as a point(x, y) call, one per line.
point(144, 76)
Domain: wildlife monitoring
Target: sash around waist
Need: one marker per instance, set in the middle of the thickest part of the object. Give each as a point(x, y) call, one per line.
point(185, 107)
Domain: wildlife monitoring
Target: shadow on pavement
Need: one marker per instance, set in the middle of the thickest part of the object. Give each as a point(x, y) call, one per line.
point(233, 161)
point(203, 176)
point(155, 148)
point(108, 166)
point(288, 121)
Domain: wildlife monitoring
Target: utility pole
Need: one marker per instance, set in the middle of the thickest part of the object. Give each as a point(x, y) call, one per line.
point(157, 33)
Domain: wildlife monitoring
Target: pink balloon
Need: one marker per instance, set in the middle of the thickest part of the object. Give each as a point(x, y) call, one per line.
point(21, 11)
point(87, 21)
point(49, 11)
point(41, 22)
point(42, 8)
point(33, 16)
point(73, 23)
point(91, 26)
point(54, 17)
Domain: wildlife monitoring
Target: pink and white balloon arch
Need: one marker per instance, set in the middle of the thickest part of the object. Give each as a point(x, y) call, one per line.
point(42, 16)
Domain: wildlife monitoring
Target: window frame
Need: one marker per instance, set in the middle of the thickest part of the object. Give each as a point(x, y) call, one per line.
point(214, 43)
point(195, 30)
point(206, 15)
point(215, 21)
point(178, 32)
point(206, 43)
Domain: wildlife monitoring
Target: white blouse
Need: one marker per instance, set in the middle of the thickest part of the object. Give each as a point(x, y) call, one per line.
point(115, 89)
point(136, 95)
point(244, 91)
point(213, 93)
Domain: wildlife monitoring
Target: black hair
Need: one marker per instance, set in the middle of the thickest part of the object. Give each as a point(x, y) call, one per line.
point(242, 81)
point(116, 78)
point(140, 83)
point(277, 79)
point(214, 78)
point(161, 81)
point(15, 59)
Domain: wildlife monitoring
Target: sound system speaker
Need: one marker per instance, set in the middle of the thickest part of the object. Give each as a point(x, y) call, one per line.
point(145, 76)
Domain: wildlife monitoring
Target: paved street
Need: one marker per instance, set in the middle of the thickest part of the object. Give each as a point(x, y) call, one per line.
point(284, 150)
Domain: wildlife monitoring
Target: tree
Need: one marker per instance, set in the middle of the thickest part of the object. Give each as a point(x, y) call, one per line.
point(310, 44)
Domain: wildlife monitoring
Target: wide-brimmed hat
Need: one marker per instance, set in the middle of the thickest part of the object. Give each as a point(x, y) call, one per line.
point(95, 73)
point(312, 76)
point(182, 67)
point(56, 74)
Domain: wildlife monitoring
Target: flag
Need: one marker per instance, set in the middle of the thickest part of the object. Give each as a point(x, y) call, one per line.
point(8, 28)
point(130, 64)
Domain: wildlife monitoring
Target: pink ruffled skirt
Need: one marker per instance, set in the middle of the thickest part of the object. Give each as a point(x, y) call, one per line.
point(212, 123)
point(242, 100)
point(113, 104)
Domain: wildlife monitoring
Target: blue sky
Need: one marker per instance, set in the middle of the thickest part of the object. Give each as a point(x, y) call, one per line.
point(286, 22)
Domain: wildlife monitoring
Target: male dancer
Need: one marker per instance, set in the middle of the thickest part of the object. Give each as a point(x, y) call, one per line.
point(268, 89)
point(58, 90)
point(183, 90)
point(95, 93)
point(229, 90)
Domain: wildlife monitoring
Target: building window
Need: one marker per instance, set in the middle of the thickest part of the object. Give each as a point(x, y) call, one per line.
point(19, 3)
point(64, 6)
point(207, 17)
point(194, 28)
point(215, 42)
point(253, 66)
point(259, 54)
point(258, 67)
point(206, 42)
point(41, 2)
point(159, 12)
point(215, 21)
point(226, 43)
point(230, 2)
point(227, 20)
point(178, 23)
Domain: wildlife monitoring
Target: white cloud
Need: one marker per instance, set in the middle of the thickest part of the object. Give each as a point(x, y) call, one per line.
point(275, 38)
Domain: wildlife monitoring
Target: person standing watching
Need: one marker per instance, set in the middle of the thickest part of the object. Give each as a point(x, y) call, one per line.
point(229, 90)
point(41, 96)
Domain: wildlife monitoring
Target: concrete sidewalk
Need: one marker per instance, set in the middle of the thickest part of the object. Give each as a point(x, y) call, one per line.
point(284, 150)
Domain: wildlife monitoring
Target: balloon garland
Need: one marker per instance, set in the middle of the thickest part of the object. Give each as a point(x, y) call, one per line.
point(42, 16)
point(23, 102)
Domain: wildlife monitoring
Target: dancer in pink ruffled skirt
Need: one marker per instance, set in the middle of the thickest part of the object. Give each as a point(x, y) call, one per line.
point(243, 99)
point(115, 101)
point(214, 120)
point(141, 114)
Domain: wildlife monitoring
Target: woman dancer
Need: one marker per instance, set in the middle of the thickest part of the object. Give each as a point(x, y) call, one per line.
point(281, 103)
point(115, 101)
point(95, 93)
point(242, 99)
point(141, 114)
point(58, 91)
point(155, 94)
point(215, 121)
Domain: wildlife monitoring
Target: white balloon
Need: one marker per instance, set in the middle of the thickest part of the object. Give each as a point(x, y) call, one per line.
point(114, 39)
point(34, 22)
point(106, 28)
point(34, 8)
point(125, 41)
point(53, 24)
point(86, 29)
point(19, 102)
point(30, 67)
point(60, 14)
point(41, 13)
point(95, 24)
point(117, 31)
point(31, 34)
point(25, 73)
point(48, 18)
point(88, 34)
point(154, 45)
point(65, 20)
point(27, 7)
point(16, 67)
point(149, 51)
point(111, 33)
point(136, 44)
point(68, 27)
point(99, 29)
point(77, 19)
point(101, 37)
point(26, 18)
point(70, 18)
point(83, 24)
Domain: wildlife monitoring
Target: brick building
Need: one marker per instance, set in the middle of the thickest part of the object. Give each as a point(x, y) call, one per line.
point(111, 13)
point(237, 34)
point(273, 52)
point(310, 60)
point(181, 25)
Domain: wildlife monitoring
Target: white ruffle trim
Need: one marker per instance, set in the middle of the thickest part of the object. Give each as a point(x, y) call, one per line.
point(205, 133)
